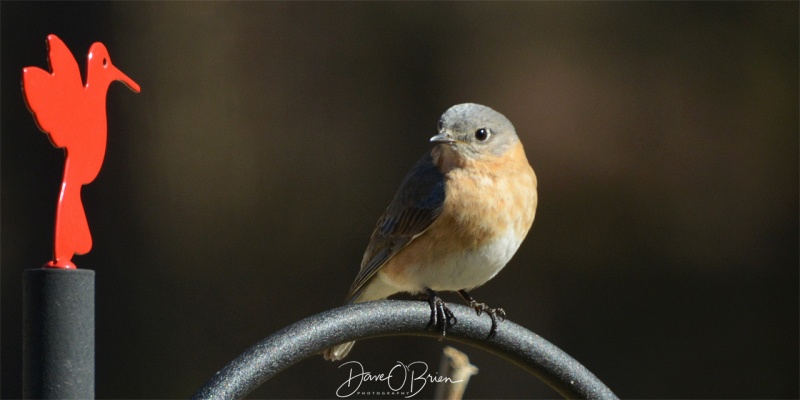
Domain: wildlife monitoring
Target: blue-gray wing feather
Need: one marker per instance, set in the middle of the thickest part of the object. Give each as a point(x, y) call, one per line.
point(416, 205)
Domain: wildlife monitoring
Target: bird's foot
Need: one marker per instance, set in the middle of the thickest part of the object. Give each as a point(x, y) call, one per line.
point(441, 316)
point(496, 314)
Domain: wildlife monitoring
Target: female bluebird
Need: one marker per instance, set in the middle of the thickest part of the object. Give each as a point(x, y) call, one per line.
point(459, 216)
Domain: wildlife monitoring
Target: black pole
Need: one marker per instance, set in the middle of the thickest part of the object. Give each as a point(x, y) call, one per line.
point(309, 337)
point(58, 334)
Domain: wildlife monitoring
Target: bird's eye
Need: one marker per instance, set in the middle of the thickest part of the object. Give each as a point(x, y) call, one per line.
point(105, 62)
point(482, 134)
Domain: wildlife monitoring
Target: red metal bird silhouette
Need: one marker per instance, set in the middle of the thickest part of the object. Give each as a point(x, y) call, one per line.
point(74, 117)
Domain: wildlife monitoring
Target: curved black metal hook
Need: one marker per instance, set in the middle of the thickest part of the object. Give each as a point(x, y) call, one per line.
point(314, 334)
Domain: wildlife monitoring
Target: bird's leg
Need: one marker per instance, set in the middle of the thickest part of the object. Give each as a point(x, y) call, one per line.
point(441, 316)
point(495, 313)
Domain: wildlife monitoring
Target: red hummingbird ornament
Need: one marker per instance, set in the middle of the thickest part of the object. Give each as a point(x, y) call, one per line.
point(73, 115)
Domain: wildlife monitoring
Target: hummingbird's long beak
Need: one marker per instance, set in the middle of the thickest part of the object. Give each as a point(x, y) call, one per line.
point(118, 75)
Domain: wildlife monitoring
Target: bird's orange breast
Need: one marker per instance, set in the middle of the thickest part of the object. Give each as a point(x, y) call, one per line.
point(484, 199)
point(484, 202)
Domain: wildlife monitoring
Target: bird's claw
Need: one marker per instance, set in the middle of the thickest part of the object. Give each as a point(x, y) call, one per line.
point(441, 316)
point(494, 313)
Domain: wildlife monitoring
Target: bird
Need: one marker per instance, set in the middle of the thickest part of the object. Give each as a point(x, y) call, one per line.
point(73, 114)
point(460, 214)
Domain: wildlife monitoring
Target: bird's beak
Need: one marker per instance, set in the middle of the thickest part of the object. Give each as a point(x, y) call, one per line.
point(442, 138)
point(119, 76)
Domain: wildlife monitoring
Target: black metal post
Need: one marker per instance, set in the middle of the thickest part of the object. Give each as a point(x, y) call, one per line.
point(58, 334)
point(314, 334)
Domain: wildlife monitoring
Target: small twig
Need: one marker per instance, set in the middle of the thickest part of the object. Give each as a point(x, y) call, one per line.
point(454, 365)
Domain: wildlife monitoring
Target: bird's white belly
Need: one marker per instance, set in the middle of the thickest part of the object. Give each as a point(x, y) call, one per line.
point(460, 270)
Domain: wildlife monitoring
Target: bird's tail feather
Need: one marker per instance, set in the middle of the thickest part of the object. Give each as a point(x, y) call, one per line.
point(339, 351)
point(374, 291)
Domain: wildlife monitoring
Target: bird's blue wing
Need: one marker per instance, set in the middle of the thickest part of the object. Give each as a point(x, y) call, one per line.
point(416, 205)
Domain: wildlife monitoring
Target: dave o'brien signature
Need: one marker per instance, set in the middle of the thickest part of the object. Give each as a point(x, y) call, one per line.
point(414, 374)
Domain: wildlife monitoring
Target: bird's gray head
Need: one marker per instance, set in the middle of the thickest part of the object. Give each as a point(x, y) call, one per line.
point(475, 131)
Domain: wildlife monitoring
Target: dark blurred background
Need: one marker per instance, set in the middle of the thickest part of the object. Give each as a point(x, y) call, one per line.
point(241, 185)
